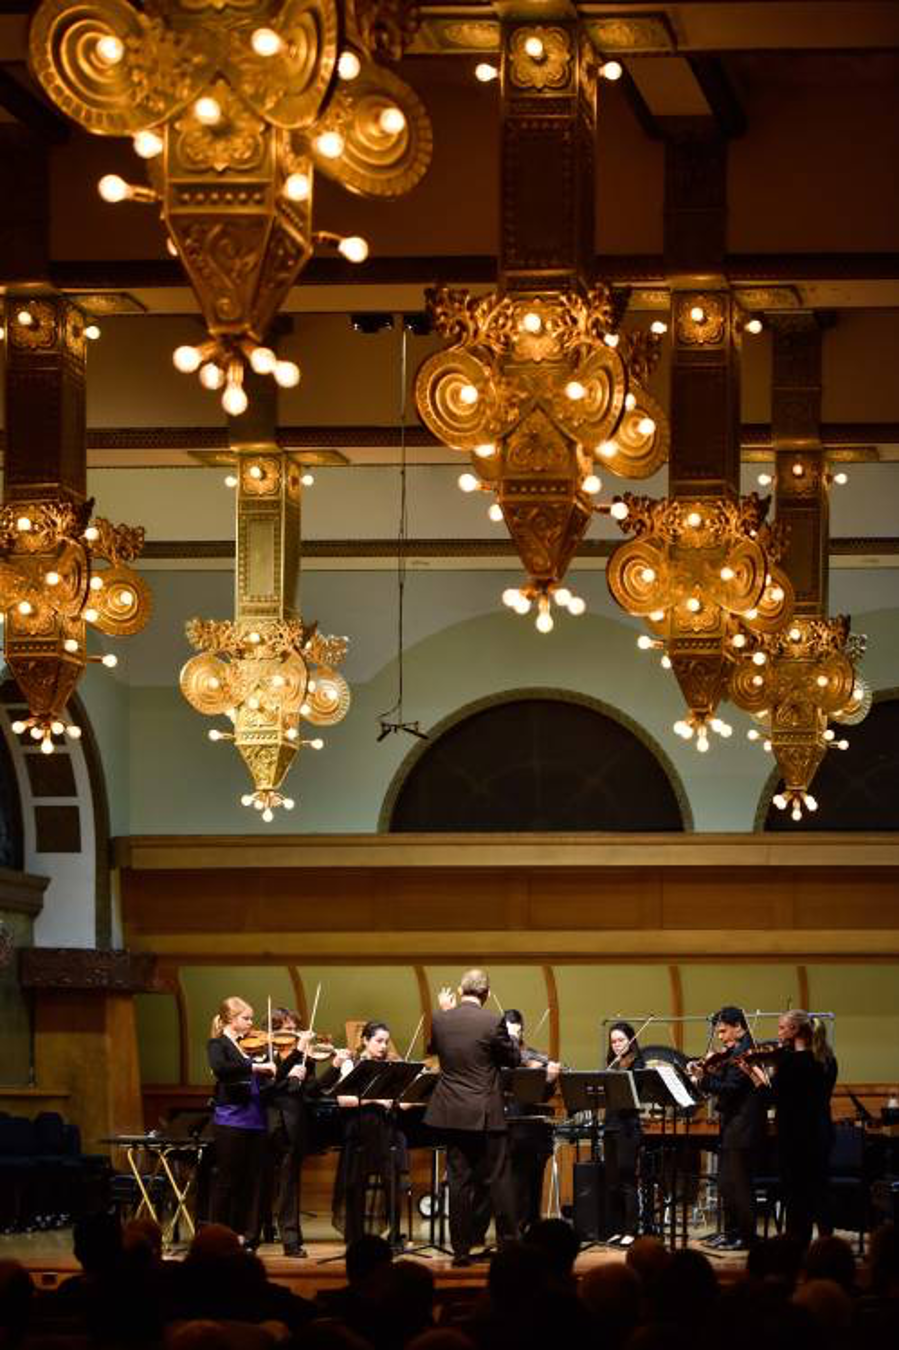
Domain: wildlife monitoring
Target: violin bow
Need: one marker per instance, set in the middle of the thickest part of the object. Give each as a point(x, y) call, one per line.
point(421, 1022)
point(540, 1023)
point(637, 1034)
point(311, 1026)
point(502, 1011)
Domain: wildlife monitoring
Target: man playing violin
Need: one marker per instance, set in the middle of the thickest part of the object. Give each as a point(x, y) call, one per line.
point(742, 1114)
point(288, 1125)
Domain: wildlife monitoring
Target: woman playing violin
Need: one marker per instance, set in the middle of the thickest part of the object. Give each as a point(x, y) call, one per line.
point(622, 1137)
point(374, 1145)
point(238, 1123)
point(529, 1151)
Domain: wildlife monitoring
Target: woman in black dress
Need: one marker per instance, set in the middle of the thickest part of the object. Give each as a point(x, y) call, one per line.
point(622, 1137)
point(373, 1172)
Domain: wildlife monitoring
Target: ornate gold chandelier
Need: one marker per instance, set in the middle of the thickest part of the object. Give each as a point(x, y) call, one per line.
point(702, 568)
point(540, 386)
point(61, 571)
point(267, 671)
point(540, 389)
point(234, 104)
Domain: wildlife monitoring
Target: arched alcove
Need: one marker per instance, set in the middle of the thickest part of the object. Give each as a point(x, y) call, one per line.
point(536, 760)
point(856, 789)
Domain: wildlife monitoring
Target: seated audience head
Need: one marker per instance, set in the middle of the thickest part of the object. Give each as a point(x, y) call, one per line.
point(686, 1289)
point(648, 1257)
point(883, 1260)
point(16, 1295)
point(612, 1295)
point(214, 1241)
point(97, 1242)
point(830, 1258)
point(142, 1236)
point(558, 1242)
point(777, 1258)
point(828, 1303)
point(364, 1255)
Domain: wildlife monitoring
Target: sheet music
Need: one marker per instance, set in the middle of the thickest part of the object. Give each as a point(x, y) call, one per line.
point(674, 1085)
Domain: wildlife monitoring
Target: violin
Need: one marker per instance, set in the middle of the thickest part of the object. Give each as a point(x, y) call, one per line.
point(710, 1063)
point(257, 1039)
point(761, 1054)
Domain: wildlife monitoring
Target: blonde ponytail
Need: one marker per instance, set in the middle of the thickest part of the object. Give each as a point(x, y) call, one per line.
point(229, 1008)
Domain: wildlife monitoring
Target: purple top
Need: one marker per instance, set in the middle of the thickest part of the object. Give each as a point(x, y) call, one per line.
point(247, 1116)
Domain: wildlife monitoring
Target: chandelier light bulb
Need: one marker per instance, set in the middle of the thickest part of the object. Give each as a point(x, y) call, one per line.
point(278, 681)
point(110, 660)
point(777, 594)
point(254, 637)
point(630, 402)
point(70, 645)
point(532, 322)
point(510, 597)
point(253, 702)
point(644, 642)
point(611, 339)
point(96, 583)
point(18, 727)
point(575, 390)
point(485, 72)
point(694, 604)
point(829, 734)
point(684, 730)
point(392, 120)
point(469, 395)
point(73, 732)
point(186, 359)
point(754, 326)
point(46, 746)
point(91, 534)
point(657, 615)
point(798, 469)
point(591, 484)
point(263, 360)
point(544, 622)
point(738, 640)
point(230, 480)
point(255, 471)
point(764, 480)
point(147, 144)
point(495, 512)
point(611, 70)
point(522, 604)
point(757, 681)
point(247, 799)
point(234, 400)
point(211, 376)
point(485, 451)
point(292, 733)
point(91, 615)
point(576, 606)
point(665, 662)
point(562, 596)
point(694, 520)
point(307, 480)
point(658, 326)
point(25, 607)
point(648, 574)
point(110, 49)
point(752, 614)
point(288, 802)
point(267, 815)
point(126, 598)
point(214, 735)
point(214, 683)
point(779, 801)
point(113, 188)
point(841, 479)
point(697, 313)
point(23, 524)
point(811, 803)
point(354, 248)
point(608, 449)
point(171, 247)
point(297, 187)
point(702, 743)
point(305, 710)
point(348, 65)
point(265, 42)
point(468, 482)
point(36, 733)
point(752, 734)
point(727, 574)
point(534, 48)
point(619, 510)
point(330, 144)
point(287, 374)
point(843, 745)
point(646, 426)
point(25, 318)
point(796, 812)
point(759, 658)
point(92, 332)
point(208, 111)
point(821, 681)
point(316, 744)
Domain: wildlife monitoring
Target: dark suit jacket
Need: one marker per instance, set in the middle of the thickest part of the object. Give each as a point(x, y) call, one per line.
point(232, 1070)
point(473, 1045)
point(285, 1101)
point(742, 1107)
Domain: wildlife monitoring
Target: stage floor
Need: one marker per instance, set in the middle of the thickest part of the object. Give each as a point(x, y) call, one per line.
point(48, 1256)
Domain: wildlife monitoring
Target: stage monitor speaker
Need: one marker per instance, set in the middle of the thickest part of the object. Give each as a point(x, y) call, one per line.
point(590, 1210)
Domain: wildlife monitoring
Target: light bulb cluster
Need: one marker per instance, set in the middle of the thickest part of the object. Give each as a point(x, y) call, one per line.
point(221, 366)
point(43, 729)
point(796, 799)
point(266, 801)
point(521, 599)
point(692, 726)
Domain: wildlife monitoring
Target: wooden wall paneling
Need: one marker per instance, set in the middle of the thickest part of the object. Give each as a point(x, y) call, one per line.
point(699, 898)
point(552, 1000)
point(594, 899)
point(849, 898)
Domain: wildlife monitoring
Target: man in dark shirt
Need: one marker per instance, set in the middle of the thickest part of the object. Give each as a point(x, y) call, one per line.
point(742, 1111)
point(467, 1108)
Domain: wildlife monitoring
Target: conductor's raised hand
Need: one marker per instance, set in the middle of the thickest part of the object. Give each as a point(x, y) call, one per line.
point(446, 998)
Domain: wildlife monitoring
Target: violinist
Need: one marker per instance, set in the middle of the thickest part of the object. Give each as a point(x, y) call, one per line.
point(799, 1089)
point(529, 1152)
point(288, 1125)
point(622, 1136)
point(238, 1124)
point(374, 1146)
point(742, 1112)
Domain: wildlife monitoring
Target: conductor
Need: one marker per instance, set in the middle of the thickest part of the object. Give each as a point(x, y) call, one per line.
point(467, 1108)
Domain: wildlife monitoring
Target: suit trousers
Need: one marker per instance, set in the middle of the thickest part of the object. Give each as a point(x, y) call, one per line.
point(236, 1192)
point(285, 1162)
point(736, 1191)
point(478, 1161)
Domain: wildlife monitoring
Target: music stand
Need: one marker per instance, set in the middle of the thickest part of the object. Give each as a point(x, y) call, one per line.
point(663, 1087)
point(419, 1094)
point(526, 1086)
point(586, 1090)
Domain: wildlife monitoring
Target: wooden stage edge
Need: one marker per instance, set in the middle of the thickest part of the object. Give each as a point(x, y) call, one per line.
point(324, 1268)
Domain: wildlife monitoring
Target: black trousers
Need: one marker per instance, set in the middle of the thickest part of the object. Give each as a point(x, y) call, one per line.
point(621, 1146)
point(235, 1196)
point(736, 1191)
point(478, 1161)
point(285, 1170)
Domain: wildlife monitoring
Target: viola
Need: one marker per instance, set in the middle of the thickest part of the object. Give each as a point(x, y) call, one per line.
point(256, 1039)
point(761, 1054)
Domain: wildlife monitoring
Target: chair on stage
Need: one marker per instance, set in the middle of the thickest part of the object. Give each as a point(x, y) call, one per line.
point(848, 1181)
